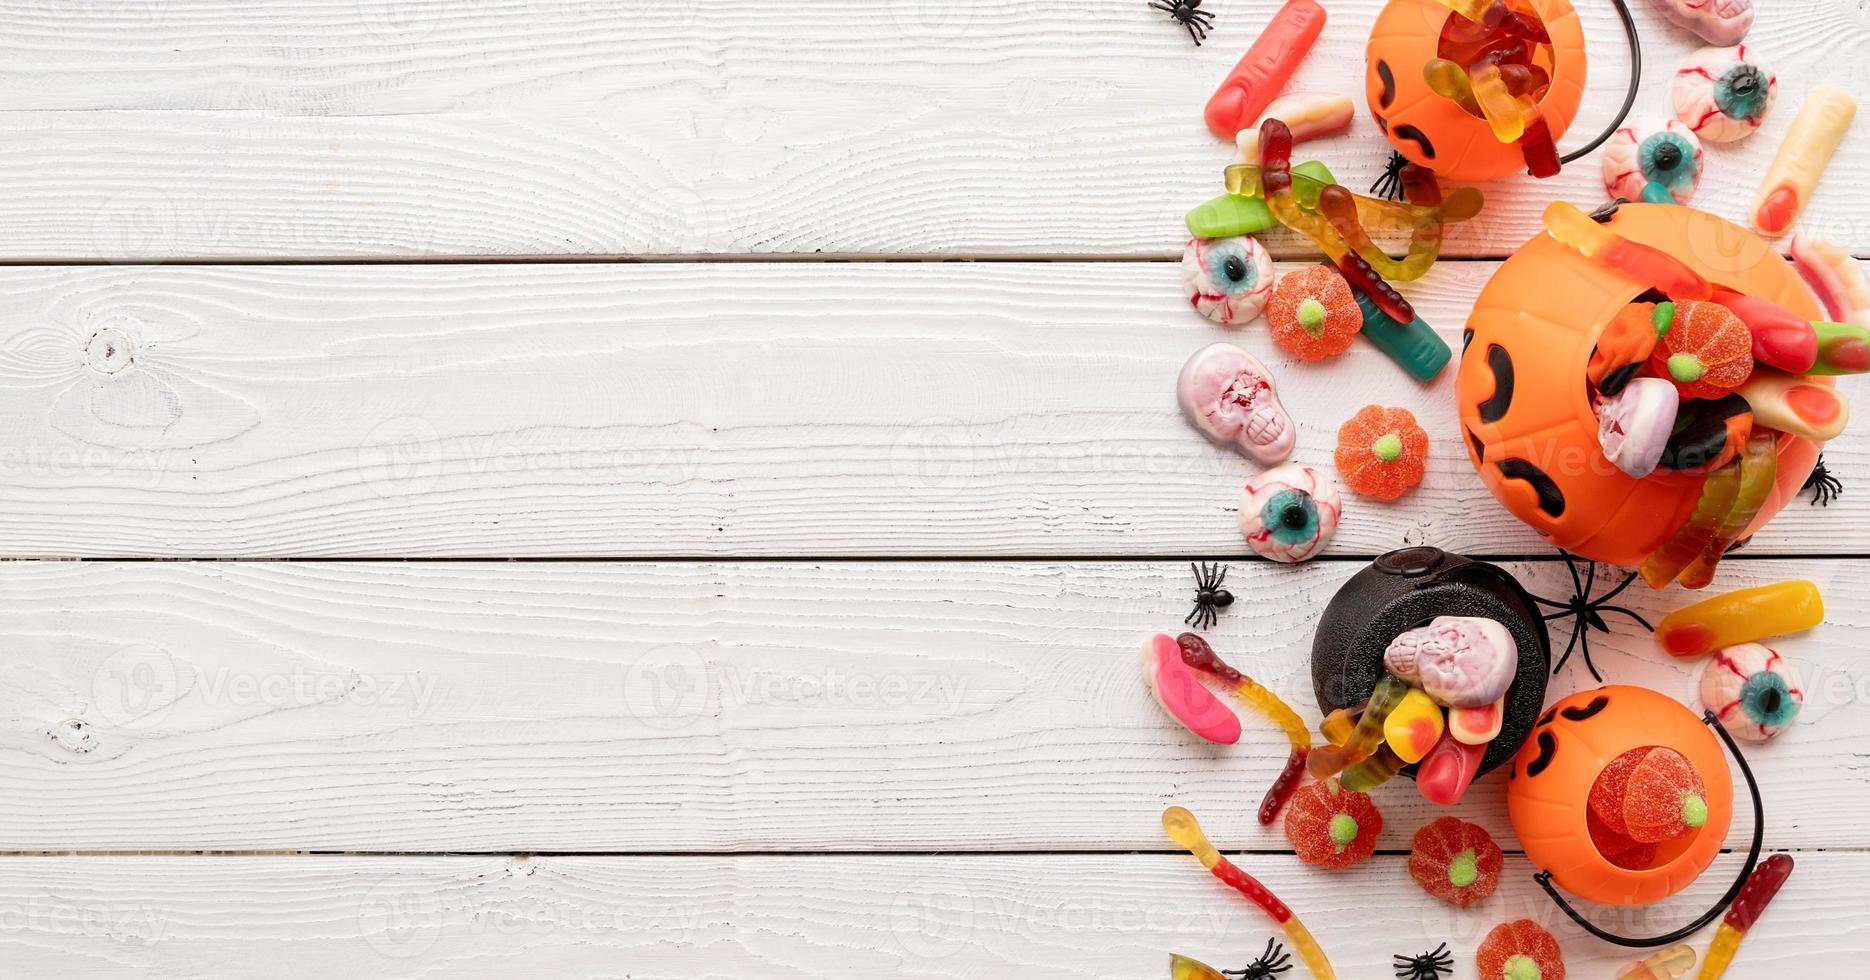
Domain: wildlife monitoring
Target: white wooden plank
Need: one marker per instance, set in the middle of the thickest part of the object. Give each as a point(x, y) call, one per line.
point(782, 706)
point(973, 127)
point(936, 917)
point(682, 410)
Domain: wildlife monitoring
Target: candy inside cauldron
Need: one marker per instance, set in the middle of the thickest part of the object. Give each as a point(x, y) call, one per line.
point(1408, 588)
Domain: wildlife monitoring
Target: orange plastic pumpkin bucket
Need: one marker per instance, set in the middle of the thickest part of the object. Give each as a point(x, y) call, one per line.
point(1551, 782)
point(1525, 408)
point(1435, 132)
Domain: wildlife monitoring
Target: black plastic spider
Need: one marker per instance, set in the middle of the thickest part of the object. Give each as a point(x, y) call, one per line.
point(1188, 14)
point(1825, 487)
point(1429, 966)
point(1274, 961)
point(1587, 611)
point(1389, 184)
point(1209, 596)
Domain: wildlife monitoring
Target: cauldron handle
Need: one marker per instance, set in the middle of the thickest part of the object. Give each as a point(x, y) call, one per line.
point(1544, 878)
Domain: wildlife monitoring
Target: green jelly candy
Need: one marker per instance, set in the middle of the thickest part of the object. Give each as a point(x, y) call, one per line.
point(1414, 345)
point(1230, 215)
point(1307, 190)
point(1843, 348)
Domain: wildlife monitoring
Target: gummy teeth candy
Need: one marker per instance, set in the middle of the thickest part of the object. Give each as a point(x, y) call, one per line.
point(1228, 280)
point(1229, 397)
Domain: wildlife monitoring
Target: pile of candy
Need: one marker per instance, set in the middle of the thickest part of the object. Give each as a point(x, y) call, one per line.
point(1646, 797)
point(1490, 66)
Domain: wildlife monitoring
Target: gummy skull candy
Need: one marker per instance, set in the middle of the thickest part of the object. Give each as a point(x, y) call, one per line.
point(1660, 166)
point(1455, 861)
point(1519, 950)
point(1750, 688)
point(1227, 279)
point(1460, 661)
point(1228, 395)
point(1313, 314)
point(1721, 22)
point(1288, 513)
point(1332, 827)
point(1381, 452)
point(1634, 427)
point(1723, 94)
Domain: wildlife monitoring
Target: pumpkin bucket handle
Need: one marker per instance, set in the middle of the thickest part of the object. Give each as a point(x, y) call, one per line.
point(1544, 878)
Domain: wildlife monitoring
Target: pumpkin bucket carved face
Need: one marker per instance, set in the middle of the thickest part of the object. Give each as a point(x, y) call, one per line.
point(1525, 403)
point(1434, 131)
point(1553, 775)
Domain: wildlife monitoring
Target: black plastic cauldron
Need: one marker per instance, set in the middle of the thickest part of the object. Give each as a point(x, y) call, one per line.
point(1408, 588)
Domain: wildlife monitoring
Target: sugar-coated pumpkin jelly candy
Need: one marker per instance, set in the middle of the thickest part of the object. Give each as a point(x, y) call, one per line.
point(1760, 888)
point(1666, 964)
point(1381, 452)
point(1312, 314)
point(1519, 950)
point(1326, 761)
point(1455, 861)
point(1331, 826)
point(1198, 655)
point(1665, 797)
point(1741, 616)
point(1650, 267)
point(1707, 350)
point(1183, 829)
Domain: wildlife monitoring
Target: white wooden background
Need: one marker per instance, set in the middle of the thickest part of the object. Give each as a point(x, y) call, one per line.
point(652, 562)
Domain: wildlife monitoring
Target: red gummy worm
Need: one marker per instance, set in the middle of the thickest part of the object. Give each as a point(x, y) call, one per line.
point(1537, 147)
point(1275, 157)
point(1284, 785)
point(1760, 888)
point(1250, 886)
point(1358, 273)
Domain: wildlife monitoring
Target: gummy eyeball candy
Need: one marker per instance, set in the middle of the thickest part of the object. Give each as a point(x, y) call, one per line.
point(1455, 861)
point(1332, 827)
point(1751, 689)
point(1519, 950)
point(1723, 94)
point(1288, 513)
point(1634, 427)
point(1227, 279)
point(1460, 661)
point(1660, 166)
point(1229, 396)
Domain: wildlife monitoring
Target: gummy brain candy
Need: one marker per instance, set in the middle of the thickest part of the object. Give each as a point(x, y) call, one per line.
point(1227, 279)
point(1288, 513)
point(1751, 689)
point(1382, 452)
point(1723, 94)
point(1313, 314)
point(1707, 352)
point(1455, 861)
point(1660, 166)
point(1332, 827)
point(1519, 950)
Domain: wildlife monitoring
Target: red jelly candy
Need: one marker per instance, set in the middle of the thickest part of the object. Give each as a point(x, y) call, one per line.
point(1332, 827)
point(1618, 848)
point(1519, 950)
point(1455, 861)
point(1707, 351)
point(1606, 799)
point(1665, 798)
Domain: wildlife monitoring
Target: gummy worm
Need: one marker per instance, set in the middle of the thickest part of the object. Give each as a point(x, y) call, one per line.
point(1717, 501)
point(1760, 888)
point(1495, 15)
point(1197, 654)
point(1759, 466)
point(1243, 179)
point(1329, 760)
point(1339, 206)
point(1648, 266)
point(1183, 830)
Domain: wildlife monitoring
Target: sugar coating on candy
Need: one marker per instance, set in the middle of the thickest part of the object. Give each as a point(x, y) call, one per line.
point(1723, 94)
point(1312, 313)
point(1381, 452)
point(1607, 792)
point(1665, 797)
point(1227, 280)
point(1752, 690)
point(1519, 950)
point(1618, 848)
point(1289, 513)
point(1455, 861)
point(1459, 661)
point(1707, 352)
point(1332, 827)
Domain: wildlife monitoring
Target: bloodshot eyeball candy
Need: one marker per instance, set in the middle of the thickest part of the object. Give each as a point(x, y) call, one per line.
point(1659, 166)
point(1228, 280)
point(1750, 688)
point(1229, 397)
point(1289, 513)
point(1723, 94)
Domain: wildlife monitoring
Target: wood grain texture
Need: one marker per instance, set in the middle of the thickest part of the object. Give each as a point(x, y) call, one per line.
point(347, 128)
point(650, 707)
point(683, 410)
point(849, 918)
